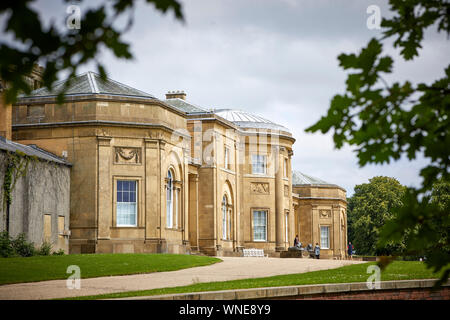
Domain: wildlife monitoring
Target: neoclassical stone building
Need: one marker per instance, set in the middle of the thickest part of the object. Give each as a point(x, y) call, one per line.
point(151, 175)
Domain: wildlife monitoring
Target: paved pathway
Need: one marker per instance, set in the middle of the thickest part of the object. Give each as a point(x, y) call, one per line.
point(231, 268)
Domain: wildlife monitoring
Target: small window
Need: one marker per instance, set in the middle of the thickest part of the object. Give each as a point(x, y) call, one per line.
point(169, 200)
point(61, 223)
point(226, 158)
point(286, 167)
point(259, 164)
point(286, 225)
point(126, 203)
point(259, 225)
point(224, 218)
point(325, 237)
point(47, 228)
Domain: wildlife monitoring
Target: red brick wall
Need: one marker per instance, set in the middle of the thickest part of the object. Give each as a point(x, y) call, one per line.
point(405, 294)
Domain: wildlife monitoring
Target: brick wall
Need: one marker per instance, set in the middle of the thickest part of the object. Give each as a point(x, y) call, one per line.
point(405, 294)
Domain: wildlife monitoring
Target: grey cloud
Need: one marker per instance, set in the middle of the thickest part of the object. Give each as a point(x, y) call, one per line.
point(274, 58)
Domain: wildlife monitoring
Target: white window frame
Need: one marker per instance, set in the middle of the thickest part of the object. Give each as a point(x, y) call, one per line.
point(224, 218)
point(286, 168)
point(254, 225)
point(256, 164)
point(169, 199)
point(322, 244)
point(286, 225)
point(135, 203)
point(226, 162)
point(176, 204)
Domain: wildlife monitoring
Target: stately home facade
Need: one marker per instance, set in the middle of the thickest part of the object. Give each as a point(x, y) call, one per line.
point(165, 175)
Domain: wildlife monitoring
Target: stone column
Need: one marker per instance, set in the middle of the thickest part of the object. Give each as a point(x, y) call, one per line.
point(152, 189)
point(279, 199)
point(193, 210)
point(336, 215)
point(104, 209)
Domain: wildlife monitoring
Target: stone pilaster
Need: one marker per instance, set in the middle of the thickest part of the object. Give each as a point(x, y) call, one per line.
point(152, 189)
point(279, 200)
point(105, 190)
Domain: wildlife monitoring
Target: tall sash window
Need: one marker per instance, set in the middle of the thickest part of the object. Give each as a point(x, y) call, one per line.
point(224, 218)
point(126, 203)
point(169, 200)
point(259, 225)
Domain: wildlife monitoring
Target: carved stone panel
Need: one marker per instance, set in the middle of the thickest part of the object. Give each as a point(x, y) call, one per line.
point(325, 213)
point(127, 155)
point(259, 187)
point(286, 191)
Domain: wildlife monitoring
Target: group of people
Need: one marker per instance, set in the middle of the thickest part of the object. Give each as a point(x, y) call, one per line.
point(297, 243)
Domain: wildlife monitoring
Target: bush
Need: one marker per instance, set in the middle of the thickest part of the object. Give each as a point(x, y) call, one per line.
point(45, 249)
point(6, 249)
point(60, 252)
point(22, 247)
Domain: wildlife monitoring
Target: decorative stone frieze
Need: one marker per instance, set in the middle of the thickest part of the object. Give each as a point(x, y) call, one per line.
point(325, 213)
point(127, 155)
point(259, 187)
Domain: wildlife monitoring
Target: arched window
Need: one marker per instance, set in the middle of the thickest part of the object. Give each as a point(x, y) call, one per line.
point(224, 218)
point(169, 199)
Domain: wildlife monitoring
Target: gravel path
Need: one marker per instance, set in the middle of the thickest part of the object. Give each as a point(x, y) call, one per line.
point(232, 268)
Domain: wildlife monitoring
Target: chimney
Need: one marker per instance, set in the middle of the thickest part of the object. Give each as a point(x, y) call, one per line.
point(176, 94)
point(5, 118)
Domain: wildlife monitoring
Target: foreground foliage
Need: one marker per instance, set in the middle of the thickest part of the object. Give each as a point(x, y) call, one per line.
point(387, 121)
point(64, 49)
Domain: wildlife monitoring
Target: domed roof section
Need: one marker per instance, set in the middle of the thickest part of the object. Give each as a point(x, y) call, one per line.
point(244, 119)
point(89, 83)
point(301, 179)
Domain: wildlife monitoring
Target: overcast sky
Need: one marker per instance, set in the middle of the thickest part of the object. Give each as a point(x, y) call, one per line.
point(277, 59)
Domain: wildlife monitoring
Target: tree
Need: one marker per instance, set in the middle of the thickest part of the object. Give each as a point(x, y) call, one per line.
point(386, 121)
point(63, 50)
point(370, 207)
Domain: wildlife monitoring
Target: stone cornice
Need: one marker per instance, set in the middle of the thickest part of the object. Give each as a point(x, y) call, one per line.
point(97, 123)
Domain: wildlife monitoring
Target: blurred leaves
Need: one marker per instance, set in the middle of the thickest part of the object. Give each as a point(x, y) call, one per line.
point(387, 121)
point(63, 49)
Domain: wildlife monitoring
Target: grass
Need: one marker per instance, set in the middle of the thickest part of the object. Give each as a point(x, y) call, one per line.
point(397, 270)
point(40, 268)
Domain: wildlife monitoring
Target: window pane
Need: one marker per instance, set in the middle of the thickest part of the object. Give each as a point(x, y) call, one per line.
point(258, 164)
point(169, 202)
point(324, 237)
point(126, 210)
point(259, 225)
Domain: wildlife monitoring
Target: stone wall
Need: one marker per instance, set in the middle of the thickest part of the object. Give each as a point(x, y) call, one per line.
point(389, 290)
point(40, 203)
point(406, 294)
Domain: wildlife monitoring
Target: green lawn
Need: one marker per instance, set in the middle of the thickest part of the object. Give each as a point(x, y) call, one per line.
point(39, 268)
point(398, 270)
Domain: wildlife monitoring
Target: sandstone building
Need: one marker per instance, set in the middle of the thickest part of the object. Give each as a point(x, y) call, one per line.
point(151, 175)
